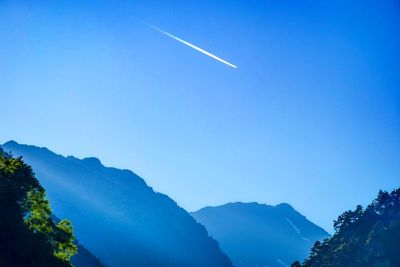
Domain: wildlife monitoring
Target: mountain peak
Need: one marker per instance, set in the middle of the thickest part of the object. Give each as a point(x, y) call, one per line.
point(255, 234)
point(92, 161)
point(10, 143)
point(285, 206)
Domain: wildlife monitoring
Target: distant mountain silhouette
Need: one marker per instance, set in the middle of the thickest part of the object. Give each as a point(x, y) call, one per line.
point(117, 216)
point(255, 234)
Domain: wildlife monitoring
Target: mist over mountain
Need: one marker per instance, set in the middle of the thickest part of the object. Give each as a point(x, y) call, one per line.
point(255, 234)
point(116, 216)
point(85, 258)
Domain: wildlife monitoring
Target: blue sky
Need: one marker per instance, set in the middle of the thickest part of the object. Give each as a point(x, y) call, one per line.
point(310, 117)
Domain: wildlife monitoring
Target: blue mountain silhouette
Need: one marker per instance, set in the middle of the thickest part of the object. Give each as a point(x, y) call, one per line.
point(254, 234)
point(117, 217)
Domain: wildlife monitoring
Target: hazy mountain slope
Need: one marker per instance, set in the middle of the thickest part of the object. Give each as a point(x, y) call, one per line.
point(117, 216)
point(254, 234)
point(84, 258)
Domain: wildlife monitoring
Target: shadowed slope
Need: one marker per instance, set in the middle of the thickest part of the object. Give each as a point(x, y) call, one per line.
point(117, 216)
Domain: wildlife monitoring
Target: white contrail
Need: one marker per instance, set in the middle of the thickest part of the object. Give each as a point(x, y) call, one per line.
point(191, 45)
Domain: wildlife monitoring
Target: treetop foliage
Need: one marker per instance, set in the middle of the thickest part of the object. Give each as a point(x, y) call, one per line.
point(28, 234)
point(363, 237)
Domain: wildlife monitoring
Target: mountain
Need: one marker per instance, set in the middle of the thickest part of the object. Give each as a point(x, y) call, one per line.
point(116, 216)
point(363, 237)
point(85, 258)
point(255, 234)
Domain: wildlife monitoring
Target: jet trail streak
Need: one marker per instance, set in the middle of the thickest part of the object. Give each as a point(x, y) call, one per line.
point(192, 46)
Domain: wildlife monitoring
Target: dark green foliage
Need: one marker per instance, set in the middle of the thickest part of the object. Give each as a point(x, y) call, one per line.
point(83, 257)
point(369, 237)
point(28, 235)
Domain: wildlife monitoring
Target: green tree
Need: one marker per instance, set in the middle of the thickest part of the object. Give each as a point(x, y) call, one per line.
point(28, 234)
point(363, 237)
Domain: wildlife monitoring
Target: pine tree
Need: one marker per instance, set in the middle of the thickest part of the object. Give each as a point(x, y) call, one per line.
point(363, 237)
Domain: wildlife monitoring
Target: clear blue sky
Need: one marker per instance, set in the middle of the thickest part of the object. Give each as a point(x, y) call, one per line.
point(310, 117)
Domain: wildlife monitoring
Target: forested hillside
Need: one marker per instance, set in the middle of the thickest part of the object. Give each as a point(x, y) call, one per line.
point(28, 234)
point(363, 237)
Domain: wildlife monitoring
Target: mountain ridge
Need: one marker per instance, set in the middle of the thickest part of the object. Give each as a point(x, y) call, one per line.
point(254, 234)
point(139, 226)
